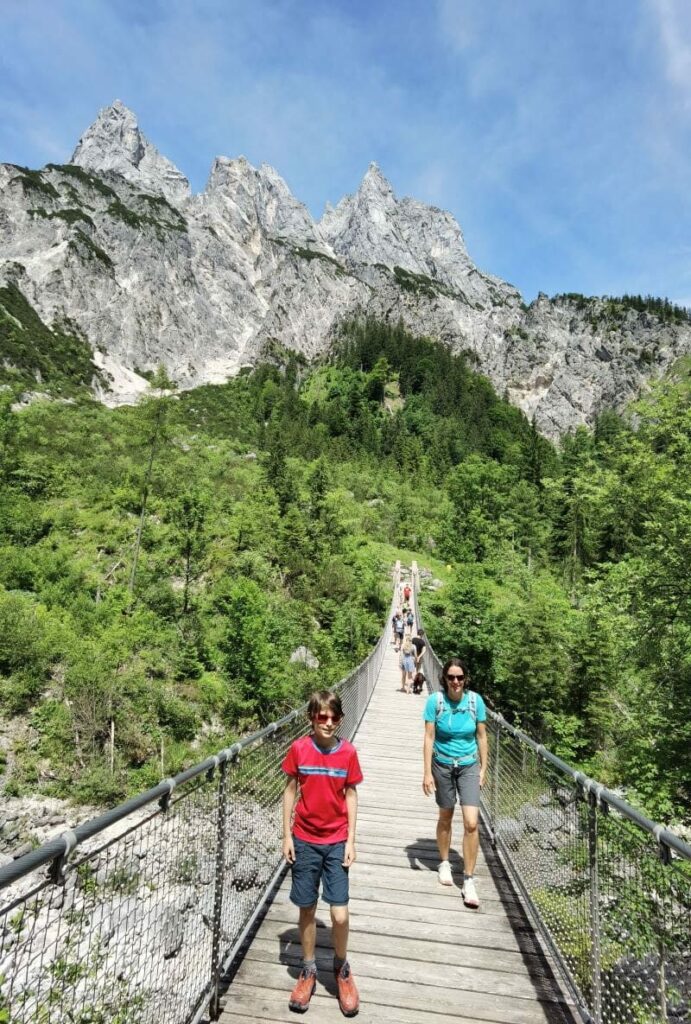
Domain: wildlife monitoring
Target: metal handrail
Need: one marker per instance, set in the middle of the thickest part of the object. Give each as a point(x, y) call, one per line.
point(608, 889)
point(127, 898)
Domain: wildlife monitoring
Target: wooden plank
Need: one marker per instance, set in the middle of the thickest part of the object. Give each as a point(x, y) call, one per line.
point(451, 974)
point(423, 950)
point(387, 919)
point(244, 1005)
point(409, 992)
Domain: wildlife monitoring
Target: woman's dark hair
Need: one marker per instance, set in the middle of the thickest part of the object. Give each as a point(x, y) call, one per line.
point(324, 699)
point(456, 663)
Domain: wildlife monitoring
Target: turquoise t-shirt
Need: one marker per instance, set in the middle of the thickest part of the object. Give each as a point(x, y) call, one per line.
point(454, 736)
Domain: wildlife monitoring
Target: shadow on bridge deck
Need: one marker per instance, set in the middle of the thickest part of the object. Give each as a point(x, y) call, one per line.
point(417, 953)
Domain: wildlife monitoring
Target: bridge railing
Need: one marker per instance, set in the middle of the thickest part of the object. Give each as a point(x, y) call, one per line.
point(134, 916)
point(608, 889)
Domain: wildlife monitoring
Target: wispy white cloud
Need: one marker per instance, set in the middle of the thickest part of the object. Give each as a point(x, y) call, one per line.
point(673, 19)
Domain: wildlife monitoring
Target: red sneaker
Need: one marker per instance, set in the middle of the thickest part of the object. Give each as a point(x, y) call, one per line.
point(302, 993)
point(348, 998)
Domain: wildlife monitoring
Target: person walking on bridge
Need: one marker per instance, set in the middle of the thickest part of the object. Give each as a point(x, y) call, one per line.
point(320, 846)
point(420, 645)
point(398, 623)
point(406, 663)
point(454, 766)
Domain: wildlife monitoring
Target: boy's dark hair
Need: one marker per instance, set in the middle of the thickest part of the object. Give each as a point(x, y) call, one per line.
point(324, 698)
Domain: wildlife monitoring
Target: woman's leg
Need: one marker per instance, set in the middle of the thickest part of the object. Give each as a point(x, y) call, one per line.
point(471, 839)
point(444, 831)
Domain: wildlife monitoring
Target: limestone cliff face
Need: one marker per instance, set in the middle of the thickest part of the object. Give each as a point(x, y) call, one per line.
point(154, 275)
point(114, 143)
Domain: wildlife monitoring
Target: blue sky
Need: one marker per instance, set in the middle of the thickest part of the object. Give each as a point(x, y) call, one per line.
point(558, 132)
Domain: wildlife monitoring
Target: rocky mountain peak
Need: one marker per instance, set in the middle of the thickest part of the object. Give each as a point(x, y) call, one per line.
point(373, 226)
point(375, 183)
point(114, 142)
point(259, 195)
point(203, 288)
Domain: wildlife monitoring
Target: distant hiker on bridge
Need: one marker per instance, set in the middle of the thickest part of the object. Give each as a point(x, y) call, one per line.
point(320, 847)
point(406, 662)
point(455, 761)
point(398, 623)
point(420, 645)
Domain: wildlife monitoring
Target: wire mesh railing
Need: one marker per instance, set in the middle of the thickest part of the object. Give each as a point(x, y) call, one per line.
point(133, 917)
point(608, 889)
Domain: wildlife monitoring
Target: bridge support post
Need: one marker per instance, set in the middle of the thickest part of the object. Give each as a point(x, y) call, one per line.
point(495, 783)
point(216, 955)
point(595, 958)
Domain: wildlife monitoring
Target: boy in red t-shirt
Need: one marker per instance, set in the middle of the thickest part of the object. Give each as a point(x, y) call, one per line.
point(321, 846)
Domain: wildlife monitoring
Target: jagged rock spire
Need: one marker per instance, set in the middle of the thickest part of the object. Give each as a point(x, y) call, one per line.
point(114, 142)
point(260, 194)
point(373, 226)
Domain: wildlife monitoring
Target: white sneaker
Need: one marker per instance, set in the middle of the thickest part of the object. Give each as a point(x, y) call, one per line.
point(470, 897)
point(444, 872)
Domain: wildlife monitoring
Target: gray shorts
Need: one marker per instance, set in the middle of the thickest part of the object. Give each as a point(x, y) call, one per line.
point(461, 783)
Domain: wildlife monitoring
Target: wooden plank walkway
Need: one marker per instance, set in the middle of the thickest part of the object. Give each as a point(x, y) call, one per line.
point(417, 953)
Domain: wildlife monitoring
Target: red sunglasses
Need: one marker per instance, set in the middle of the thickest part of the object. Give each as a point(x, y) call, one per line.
point(323, 718)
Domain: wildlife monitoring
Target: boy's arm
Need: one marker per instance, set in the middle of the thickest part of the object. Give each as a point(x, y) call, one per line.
point(289, 795)
point(351, 807)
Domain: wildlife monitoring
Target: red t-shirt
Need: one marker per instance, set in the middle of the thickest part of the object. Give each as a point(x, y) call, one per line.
point(321, 815)
point(406, 592)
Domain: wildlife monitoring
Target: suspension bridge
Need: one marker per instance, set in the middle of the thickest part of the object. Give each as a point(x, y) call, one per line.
point(173, 908)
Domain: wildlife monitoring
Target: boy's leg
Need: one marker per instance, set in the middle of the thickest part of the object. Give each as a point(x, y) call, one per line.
point(336, 893)
point(307, 924)
point(304, 892)
point(307, 979)
point(340, 925)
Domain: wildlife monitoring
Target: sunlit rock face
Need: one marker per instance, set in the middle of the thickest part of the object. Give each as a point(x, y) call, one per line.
point(115, 143)
point(152, 275)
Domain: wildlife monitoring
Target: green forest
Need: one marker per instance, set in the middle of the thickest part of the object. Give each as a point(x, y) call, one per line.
point(159, 563)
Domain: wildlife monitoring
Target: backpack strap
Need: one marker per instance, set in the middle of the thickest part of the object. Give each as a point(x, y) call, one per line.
point(472, 705)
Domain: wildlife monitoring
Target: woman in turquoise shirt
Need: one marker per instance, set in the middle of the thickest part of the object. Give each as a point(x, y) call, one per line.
point(455, 762)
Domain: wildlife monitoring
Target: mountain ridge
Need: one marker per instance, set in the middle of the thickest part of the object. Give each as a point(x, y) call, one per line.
point(152, 274)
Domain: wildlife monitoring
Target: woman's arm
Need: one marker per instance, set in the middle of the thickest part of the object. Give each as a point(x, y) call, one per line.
point(428, 786)
point(289, 795)
point(351, 808)
point(482, 747)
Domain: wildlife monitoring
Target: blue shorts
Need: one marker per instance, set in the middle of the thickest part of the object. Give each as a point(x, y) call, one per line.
point(315, 863)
